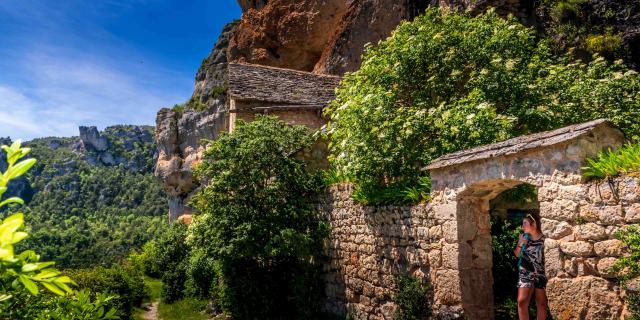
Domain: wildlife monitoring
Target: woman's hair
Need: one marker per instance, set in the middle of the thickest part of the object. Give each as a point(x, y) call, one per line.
point(534, 219)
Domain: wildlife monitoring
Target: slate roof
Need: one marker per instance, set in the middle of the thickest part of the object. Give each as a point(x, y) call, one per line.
point(276, 85)
point(518, 144)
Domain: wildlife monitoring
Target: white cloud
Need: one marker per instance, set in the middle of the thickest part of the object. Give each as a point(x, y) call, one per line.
point(64, 93)
point(73, 72)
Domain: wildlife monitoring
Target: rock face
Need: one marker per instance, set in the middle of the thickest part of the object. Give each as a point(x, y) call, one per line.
point(323, 36)
point(286, 33)
point(91, 139)
point(126, 145)
point(178, 136)
point(211, 78)
point(366, 21)
point(179, 132)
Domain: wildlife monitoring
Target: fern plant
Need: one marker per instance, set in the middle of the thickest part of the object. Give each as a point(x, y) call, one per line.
point(612, 163)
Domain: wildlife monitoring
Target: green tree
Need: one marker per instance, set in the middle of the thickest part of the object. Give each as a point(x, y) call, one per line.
point(258, 222)
point(23, 275)
point(449, 81)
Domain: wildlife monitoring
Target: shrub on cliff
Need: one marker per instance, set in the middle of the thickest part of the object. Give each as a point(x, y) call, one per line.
point(257, 220)
point(449, 81)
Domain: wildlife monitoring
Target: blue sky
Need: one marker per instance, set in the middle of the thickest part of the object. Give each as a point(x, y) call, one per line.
point(68, 63)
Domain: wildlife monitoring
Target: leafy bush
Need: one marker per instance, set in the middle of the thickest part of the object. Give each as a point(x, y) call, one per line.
point(447, 82)
point(201, 275)
point(628, 266)
point(604, 43)
point(124, 281)
point(174, 283)
point(412, 299)
point(257, 220)
point(611, 163)
point(166, 258)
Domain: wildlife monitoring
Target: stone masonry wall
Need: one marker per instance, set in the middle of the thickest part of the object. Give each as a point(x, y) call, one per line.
point(581, 246)
point(369, 246)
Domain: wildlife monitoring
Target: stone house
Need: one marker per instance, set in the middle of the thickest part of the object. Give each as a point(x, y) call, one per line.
point(448, 243)
point(296, 97)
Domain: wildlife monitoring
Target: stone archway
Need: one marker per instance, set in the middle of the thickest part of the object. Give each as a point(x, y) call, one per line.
point(465, 181)
point(475, 245)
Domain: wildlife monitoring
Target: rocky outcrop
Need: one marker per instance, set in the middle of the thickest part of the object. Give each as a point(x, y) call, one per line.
point(285, 33)
point(211, 79)
point(312, 35)
point(366, 21)
point(179, 138)
point(126, 145)
point(90, 139)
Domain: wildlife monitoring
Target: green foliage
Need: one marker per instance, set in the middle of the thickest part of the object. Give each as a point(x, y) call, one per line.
point(178, 108)
point(186, 309)
point(148, 260)
point(125, 282)
point(22, 275)
point(22, 271)
point(504, 236)
point(166, 257)
point(420, 192)
point(108, 211)
point(200, 271)
point(412, 299)
point(257, 220)
point(604, 43)
point(174, 283)
point(80, 307)
point(565, 9)
point(612, 163)
point(628, 266)
point(196, 104)
point(521, 194)
point(447, 82)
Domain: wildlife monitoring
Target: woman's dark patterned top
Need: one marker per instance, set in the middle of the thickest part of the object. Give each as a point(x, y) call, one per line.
point(533, 257)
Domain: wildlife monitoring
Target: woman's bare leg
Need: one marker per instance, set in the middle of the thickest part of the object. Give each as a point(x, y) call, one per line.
point(524, 296)
point(541, 304)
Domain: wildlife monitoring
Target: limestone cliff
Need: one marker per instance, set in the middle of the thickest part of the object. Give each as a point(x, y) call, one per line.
point(179, 131)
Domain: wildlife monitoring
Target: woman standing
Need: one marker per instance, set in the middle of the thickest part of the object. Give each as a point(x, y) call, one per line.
point(531, 276)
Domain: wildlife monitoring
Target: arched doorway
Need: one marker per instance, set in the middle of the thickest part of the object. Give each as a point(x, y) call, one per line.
point(475, 248)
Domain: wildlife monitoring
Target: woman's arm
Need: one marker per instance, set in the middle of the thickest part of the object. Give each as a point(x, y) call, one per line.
point(521, 241)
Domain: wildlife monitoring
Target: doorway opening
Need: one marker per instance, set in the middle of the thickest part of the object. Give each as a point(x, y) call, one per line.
point(506, 213)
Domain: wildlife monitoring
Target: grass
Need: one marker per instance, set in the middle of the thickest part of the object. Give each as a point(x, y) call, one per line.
point(186, 309)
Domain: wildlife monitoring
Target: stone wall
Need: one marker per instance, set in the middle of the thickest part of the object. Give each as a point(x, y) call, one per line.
point(581, 247)
point(369, 246)
point(311, 118)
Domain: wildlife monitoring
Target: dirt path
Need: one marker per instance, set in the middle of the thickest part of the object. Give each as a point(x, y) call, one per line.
point(152, 312)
